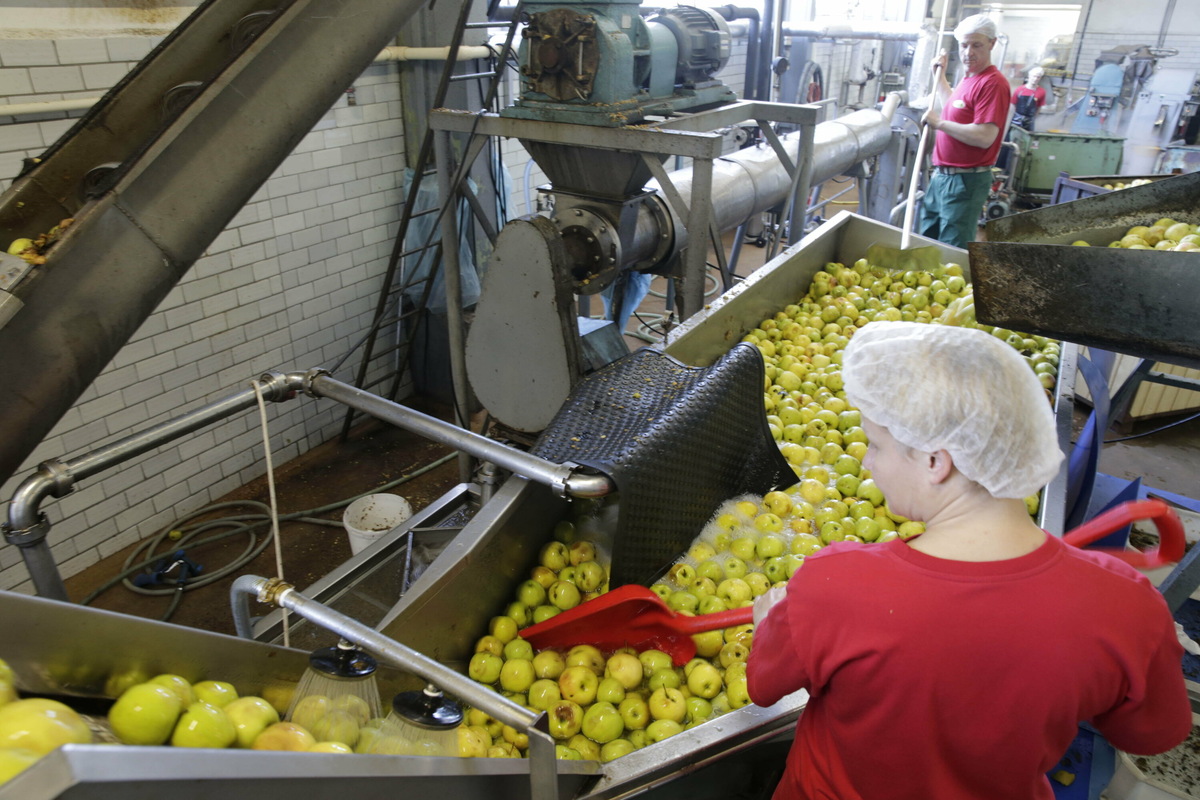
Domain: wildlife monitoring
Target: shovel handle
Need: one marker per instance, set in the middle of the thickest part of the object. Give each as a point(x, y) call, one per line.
point(1171, 539)
point(711, 622)
point(910, 209)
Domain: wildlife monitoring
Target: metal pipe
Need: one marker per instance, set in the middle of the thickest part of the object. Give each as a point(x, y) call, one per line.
point(905, 33)
point(541, 745)
point(564, 479)
point(28, 528)
point(730, 13)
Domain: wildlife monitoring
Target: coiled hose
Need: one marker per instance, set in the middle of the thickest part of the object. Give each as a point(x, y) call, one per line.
point(198, 535)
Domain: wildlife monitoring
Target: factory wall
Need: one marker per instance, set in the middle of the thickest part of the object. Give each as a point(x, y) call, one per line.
point(290, 284)
point(1110, 24)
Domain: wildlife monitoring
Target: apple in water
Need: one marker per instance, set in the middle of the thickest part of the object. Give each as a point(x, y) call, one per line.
point(589, 576)
point(709, 643)
point(518, 648)
point(531, 593)
point(284, 736)
point(634, 712)
point(544, 612)
point(667, 703)
point(705, 681)
point(602, 723)
point(611, 690)
point(543, 694)
point(471, 743)
point(564, 719)
point(661, 729)
point(41, 725)
point(625, 668)
point(580, 551)
point(578, 684)
point(204, 725)
point(250, 716)
point(543, 576)
point(177, 684)
point(145, 714)
point(564, 595)
point(554, 556)
point(215, 693)
point(667, 677)
point(698, 710)
point(337, 726)
point(615, 749)
point(549, 664)
point(516, 675)
point(503, 628)
point(653, 660)
point(485, 667)
point(587, 749)
point(489, 644)
point(737, 693)
point(586, 655)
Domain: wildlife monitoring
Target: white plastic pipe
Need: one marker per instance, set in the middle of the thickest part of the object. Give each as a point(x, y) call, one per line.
point(392, 53)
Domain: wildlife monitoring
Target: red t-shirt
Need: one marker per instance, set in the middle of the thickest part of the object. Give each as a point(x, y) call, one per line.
point(933, 679)
point(1039, 95)
point(978, 98)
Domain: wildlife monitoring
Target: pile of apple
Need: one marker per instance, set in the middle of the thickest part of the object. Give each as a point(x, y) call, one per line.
point(1163, 234)
point(1112, 187)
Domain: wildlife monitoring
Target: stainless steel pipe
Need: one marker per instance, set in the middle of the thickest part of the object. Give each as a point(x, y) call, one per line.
point(541, 745)
point(564, 479)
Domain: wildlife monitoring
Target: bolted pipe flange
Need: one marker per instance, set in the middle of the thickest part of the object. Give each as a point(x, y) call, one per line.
point(62, 481)
point(310, 377)
point(27, 537)
point(276, 386)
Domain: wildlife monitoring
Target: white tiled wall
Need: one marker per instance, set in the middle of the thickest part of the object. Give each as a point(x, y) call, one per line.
point(289, 285)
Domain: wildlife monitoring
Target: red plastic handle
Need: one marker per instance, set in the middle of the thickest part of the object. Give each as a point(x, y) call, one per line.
point(711, 622)
point(1171, 539)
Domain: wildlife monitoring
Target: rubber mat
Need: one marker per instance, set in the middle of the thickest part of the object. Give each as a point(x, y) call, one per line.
point(676, 440)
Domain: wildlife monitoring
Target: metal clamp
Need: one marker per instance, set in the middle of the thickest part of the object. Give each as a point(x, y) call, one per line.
point(27, 537)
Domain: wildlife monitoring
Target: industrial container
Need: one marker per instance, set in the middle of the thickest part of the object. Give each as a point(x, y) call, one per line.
point(1045, 155)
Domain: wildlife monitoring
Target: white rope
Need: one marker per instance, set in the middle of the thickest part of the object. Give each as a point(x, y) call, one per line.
point(262, 415)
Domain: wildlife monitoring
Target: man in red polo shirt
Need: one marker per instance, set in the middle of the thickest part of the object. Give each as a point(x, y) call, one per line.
point(967, 138)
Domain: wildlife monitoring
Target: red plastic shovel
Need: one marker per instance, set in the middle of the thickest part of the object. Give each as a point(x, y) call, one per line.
point(631, 616)
point(634, 616)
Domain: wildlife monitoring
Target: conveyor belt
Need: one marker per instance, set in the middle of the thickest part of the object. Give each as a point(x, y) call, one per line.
point(154, 172)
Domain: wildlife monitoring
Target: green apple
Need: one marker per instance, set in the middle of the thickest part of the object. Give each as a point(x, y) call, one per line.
point(204, 725)
point(704, 587)
point(661, 729)
point(774, 569)
point(503, 628)
point(250, 716)
point(634, 712)
point(580, 551)
point(531, 593)
point(215, 693)
point(483, 720)
point(41, 725)
point(554, 556)
point(337, 726)
point(330, 747)
point(665, 677)
point(564, 531)
point(145, 714)
point(711, 569)
point(516, 675)
point(709, 643)
point(734, 591)
point(602, 722)
point(712, 605)
point(564, 753)
point(733, 652)
point(544, 612)
point(682, 574)
point(662, 590)
point(770, 546)
point(503, 750)
point(284, 736)
point(489, 644)
point(519, 613)
point(516, 738)
point(471, 743)
point(758, 583)
point(177, 684)
point(733, 568)
point(698, 710)
point(548, 664)
point(578, 684)
point(564, 595)
point(610, 690)
point(485, 667)
point(683, 601)
point(737, 693)
point(625, 668)
point(586, 655)
point(309, 710)
point(15, 760)
point(701, 551)
point(588, 750)
point(518, 648)
point(705, 681)
point(589, 576)
point(564, 719)
point(543, 693)
point(743, 547)
point(615, 749)
point(543, 576)
point(805, 544)
point(667, 703)
point(653, 660)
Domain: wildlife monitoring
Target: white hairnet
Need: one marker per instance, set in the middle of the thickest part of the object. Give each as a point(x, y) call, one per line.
point(976, 23)
point(941, 387)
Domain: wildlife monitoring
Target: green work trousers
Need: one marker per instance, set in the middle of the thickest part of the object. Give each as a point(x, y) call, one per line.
point(952, 206)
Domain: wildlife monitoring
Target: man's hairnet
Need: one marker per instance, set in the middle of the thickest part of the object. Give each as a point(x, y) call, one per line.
point(976, 23)
point(941, 387)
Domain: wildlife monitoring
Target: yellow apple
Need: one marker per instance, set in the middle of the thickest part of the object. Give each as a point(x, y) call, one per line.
point(250, 716)
point(14, 760)
point(284, 736)
point(215, 693)
point(204, 725)
point(41, 725)
point(177, 684)
point(329, 747)
point(145, 714)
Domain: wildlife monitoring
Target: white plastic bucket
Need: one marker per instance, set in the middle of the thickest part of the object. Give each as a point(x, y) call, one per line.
point(370, 517)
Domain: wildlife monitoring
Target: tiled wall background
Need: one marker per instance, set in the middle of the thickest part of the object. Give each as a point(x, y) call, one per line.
point(289, 285)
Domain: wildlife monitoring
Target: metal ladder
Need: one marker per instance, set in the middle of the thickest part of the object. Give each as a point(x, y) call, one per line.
point(391, 312)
